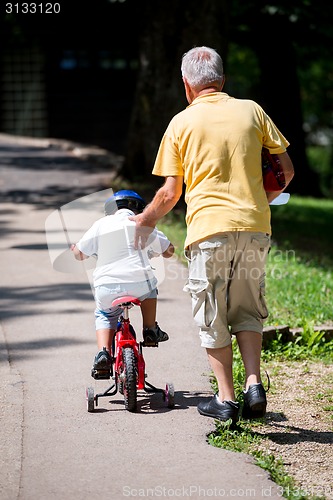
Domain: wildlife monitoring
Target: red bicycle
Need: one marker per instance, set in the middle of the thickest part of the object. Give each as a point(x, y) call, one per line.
point(128, 364)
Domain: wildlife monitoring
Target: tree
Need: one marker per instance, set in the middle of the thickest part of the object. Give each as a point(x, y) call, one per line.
point(169, 29)
point(285, 38)
point(281, 36)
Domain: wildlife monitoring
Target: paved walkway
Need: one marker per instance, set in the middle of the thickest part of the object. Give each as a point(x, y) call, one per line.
point(51, 447)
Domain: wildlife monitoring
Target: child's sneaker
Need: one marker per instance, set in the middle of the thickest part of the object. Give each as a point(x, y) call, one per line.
point(152, 336)
point(102, 365)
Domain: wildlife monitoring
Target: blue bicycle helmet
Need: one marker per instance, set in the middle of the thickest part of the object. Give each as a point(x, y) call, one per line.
point(124, 199)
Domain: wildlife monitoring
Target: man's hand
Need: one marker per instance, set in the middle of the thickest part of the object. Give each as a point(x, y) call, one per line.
point(142, 232)
point(164, 200)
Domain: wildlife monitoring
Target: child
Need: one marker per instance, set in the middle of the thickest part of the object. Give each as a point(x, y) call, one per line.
point(121, 270)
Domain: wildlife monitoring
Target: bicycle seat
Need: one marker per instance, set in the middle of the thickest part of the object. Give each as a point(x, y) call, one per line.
point(127, 299)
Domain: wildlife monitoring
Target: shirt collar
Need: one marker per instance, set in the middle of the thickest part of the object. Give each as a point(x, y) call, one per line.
point(211, 97)
point(123, 212)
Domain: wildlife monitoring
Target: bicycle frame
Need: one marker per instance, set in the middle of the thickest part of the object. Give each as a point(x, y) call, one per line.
point(125, 338)
point(127, 358)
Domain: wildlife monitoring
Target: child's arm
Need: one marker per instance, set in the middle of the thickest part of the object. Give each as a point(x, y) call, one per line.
point(159, 242)
point(78, 254)
point(169, 251)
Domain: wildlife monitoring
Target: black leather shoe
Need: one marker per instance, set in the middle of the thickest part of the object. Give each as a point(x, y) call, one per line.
point(222, 411)
point(254, 402)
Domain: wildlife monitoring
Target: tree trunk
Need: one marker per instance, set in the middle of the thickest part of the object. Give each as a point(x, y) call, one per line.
point(170, 29)
point(280, 93)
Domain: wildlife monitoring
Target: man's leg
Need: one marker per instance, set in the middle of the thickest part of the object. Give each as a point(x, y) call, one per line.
point(220, 361)
point(223, 405)
point(255, 395)
point(250, 344)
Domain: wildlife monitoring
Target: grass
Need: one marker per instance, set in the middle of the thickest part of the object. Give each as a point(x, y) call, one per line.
point(320, 160)
point(299, 290)
point(244, 440)
point(305, 226)
point(326, 397)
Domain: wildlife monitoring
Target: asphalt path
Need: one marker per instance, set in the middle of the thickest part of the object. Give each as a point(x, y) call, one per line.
point(51, 447)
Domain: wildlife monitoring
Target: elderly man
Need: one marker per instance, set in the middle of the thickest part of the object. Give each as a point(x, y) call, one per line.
point(214, 147)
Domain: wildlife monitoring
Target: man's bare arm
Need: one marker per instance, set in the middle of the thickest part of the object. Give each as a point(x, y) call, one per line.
point(164, 201)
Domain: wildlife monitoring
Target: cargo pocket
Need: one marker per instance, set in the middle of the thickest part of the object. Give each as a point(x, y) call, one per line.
point(197, 288)
point(262, 308)
point(261, 242)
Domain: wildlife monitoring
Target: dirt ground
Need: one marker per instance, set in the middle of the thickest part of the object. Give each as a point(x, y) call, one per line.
point(299, 424)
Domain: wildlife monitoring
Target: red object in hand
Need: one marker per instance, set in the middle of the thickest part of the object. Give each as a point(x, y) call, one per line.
point(272, 172)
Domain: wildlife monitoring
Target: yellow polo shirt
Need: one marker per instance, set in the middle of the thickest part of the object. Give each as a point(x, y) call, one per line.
point(215, 144)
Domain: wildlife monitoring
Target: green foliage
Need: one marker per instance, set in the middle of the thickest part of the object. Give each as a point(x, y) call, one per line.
point(305, 226)
point(275, 467)
point(308, 345)
point(321, 161)
point(174, 227)
point(245, 83)
point(241, 439)
point(299, 282)
point(298, 290)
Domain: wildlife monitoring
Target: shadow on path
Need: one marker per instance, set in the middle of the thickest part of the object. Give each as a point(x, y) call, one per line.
point(290, 434)
point(19, 301)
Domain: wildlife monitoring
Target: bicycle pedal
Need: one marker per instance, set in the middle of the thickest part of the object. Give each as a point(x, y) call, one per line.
point(149, 344)
point(100, 374)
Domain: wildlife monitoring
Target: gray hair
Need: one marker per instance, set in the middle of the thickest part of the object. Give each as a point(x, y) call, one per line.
point(202, 65)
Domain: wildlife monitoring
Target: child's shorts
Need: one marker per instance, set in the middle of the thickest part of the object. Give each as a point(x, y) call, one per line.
point(106, 316)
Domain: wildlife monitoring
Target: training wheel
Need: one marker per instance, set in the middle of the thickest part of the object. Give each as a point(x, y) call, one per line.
point(169, 395)
point(90, 399)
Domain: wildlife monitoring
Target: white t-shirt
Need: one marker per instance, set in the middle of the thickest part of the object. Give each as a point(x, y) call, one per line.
point(111, 240)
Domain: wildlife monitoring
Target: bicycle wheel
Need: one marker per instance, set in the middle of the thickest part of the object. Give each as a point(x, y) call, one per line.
point(130, 376)
point(90, 398)
point(170, 395)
